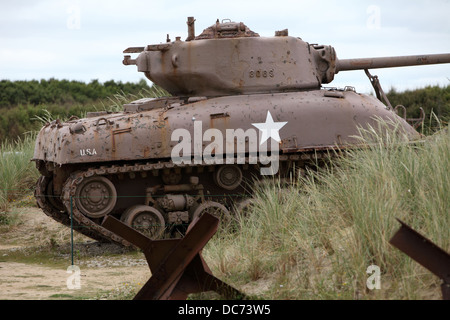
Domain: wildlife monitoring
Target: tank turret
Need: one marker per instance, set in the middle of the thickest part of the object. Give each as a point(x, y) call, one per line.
point(162, 162)
point(228, 58)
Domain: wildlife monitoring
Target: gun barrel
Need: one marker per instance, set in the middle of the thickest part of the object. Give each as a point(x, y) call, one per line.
point(391, 62)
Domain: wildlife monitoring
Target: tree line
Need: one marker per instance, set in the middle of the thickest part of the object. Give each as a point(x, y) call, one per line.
point(433, 99)
point(23, 104)
point(62, 92)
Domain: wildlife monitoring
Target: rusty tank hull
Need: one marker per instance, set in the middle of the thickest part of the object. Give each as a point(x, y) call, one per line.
point(317, 119)
point(164, 161)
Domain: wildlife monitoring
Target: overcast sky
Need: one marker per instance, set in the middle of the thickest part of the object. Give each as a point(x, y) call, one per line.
point(83, 40)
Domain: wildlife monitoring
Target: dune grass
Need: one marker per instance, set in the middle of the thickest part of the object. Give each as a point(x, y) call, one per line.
point(316, 239)
point(18, 174)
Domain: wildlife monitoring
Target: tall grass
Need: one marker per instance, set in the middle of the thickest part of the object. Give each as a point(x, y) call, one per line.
point(316, 239)
point(18, 174)
point(115, 103)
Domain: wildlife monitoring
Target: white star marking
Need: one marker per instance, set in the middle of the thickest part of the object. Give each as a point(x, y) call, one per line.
point(269, 129)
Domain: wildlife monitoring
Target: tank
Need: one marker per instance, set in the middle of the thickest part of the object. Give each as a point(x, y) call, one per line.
point(240, 106)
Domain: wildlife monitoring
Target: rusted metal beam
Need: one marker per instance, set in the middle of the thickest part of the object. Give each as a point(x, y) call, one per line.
point(173, 265)
point(126, 232)
point(177, 266)
point(424, 252)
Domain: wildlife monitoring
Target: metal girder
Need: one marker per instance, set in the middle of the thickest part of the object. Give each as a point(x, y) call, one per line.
point(177, 266)
point(425, 253)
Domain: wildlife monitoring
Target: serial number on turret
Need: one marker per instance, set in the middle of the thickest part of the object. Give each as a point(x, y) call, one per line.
point(261, 73)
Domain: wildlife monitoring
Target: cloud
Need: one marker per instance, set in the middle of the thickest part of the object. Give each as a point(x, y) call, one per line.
point(84, 40)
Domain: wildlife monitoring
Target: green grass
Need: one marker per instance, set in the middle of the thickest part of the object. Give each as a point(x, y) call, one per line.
point(18, 174)
point(316, 239)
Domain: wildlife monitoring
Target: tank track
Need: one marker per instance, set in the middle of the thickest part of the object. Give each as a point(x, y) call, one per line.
point(43, 199)
point(93, 229)
point(81, 220)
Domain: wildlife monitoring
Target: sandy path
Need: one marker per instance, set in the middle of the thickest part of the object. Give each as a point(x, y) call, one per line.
point(103, 272)
point(24, 282)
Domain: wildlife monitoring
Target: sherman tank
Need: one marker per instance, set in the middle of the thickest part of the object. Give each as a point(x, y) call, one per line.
point(240, 106)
